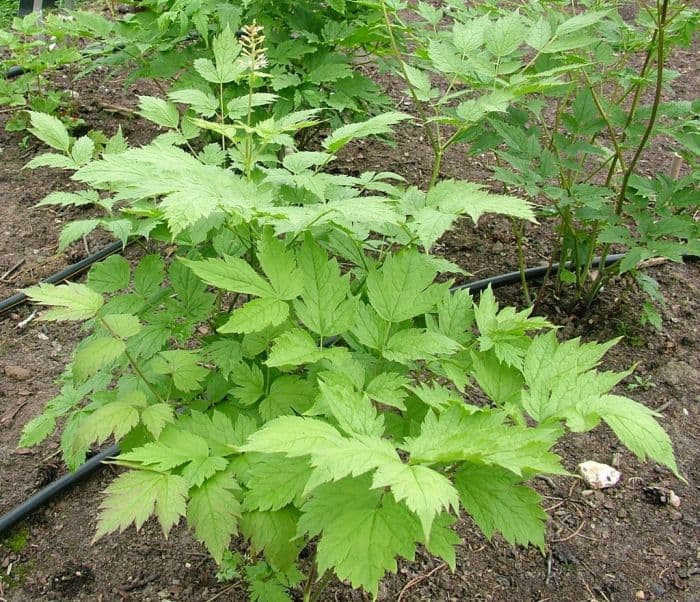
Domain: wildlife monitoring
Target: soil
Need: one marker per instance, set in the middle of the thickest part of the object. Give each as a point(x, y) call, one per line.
point(620, 544)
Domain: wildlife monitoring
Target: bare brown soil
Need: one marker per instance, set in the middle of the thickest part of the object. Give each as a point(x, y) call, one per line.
point(604, 546)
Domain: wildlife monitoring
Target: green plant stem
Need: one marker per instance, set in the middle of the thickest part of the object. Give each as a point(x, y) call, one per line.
point(133, 363)
point(322, 583)
point(434, 141)
point(518, 233)
point(604, 273)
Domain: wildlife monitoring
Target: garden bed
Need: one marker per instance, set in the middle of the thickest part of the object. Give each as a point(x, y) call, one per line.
point(612, 545)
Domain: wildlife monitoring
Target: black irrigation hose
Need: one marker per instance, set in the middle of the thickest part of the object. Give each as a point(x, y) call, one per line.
point(530, 274)
point(44, 495)
point(69, 272)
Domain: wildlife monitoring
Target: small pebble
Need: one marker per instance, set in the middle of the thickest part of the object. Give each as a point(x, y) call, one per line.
point(17, 372)
point(639, 595)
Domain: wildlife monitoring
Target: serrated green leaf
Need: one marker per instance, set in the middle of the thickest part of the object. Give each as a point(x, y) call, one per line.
point(381, 124)
point(362, 531)
point(636, 427)
point(183, 366)
point(288, 395)
point(231, 274)
point(74, 231)
point(213, 511)
point(116, 418)
point(353, 410)
point(109, 275)
point(411, 344)
point(443, 540)
point(74, 301)
point(155, 417)
point(204, 104)
point(249, 381)
point(426, 492)
point(82, 150)
point(256, 315)
point(135, 495)
point(293, 348)
point(149, 275)
point(388, 388)
point(159, 111)
point(94, 355)
point(50, 130)
point(325, 306)
point(403, 287)
point(465, 198)
point(279, 266)
point(123, 325)
point(275, 481)
point(273, 533)
point(496, 502)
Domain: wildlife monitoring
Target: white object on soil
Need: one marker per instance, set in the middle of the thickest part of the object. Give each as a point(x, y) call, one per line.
point(597, 475)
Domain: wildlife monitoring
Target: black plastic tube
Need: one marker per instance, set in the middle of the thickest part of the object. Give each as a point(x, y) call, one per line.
point(530, 274)
point(44, 495)
point(13, 72)
point(64, 274)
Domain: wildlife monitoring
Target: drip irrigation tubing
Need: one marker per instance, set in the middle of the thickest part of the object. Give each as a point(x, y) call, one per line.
point(44, 495)
point(37, 500)
point(64, 274)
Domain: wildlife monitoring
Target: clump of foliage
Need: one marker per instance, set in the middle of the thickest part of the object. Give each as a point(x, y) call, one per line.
point(301, 372)
point(38, 45)
point(558, 95)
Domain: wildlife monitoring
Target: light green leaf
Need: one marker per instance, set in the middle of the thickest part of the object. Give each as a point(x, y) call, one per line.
point(353, 410)
point(123, 325)
point(116, 418)
point(135, 495)
point(279, 266)
point(183, 366)
point(426, 492)
point(362, 531)
point(149, 275)
point(94, 355)
point(75, 230)
point(273, 533)
point(389, 389)
point(325, 306)
point(50, 130)
point(411, 344)
point(275, 481)
point(231, 274)
point(502, 37)
point(256, 315)
point(496, 502)
point(380, 124)
point(82, 150)
point(74, 301)
point(403, 287)
point(293, 348)
point(636, 427)
point(155, 417)
point(204, 104)
point(466, 198)
point(213, 512)
point(159, 111)
point(109, 275)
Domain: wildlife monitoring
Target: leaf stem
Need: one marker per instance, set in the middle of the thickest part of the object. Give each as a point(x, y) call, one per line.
point(133, 363)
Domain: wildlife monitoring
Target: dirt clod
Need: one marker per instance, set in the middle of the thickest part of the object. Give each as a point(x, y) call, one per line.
point(17, 372)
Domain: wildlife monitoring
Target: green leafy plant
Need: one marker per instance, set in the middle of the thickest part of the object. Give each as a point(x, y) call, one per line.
point(555, 95)
point(316, 49)
point(39, 45)
point(296, 373)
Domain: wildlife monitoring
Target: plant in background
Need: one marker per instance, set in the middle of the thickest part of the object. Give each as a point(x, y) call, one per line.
point(315, 49)
point(296, 374)
point(557, 98)
point(39, 46)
